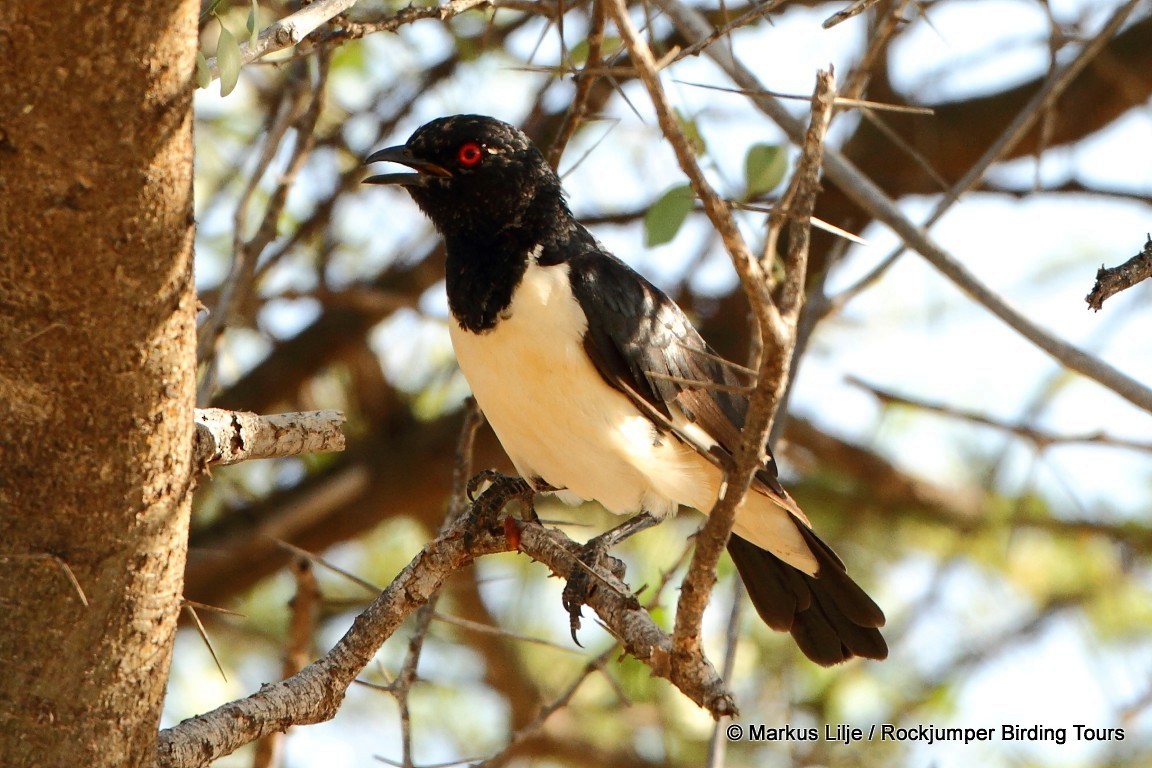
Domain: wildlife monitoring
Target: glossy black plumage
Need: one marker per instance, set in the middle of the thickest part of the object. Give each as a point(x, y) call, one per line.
point(518, 259)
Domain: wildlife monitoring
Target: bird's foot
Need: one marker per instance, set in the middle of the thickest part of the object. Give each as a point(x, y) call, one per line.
point(584, 577)
point(502, 489)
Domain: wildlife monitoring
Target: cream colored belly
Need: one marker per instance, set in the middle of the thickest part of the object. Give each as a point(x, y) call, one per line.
point(559, 421)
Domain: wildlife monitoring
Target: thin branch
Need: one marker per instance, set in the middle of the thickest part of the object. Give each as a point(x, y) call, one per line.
point(796, 212)
point(287, 32)
point(1112, 280)
point(1071, 186)
point(801, 201)
point(874, 59)
point(230, 437)
point(710, 541)
point(1040, 438)
point(755, 12)
point(585, 79)
point(718, 742)
point(865, 193)
point(537, 725)
point(401, 687)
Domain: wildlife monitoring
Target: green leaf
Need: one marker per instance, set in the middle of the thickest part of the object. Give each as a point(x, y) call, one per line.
point(664, 219)
point(253, 30)
point(203, 74)
point(764, 168)
point(227, 60)
point(578, 54)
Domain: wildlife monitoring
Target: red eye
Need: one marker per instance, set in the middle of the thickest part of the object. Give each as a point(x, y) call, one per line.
point(469, 154)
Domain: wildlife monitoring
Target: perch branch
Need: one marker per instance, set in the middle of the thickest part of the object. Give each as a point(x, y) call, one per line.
point(314, 694)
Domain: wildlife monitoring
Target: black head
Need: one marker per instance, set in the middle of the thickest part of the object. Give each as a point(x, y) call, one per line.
point(475, 176)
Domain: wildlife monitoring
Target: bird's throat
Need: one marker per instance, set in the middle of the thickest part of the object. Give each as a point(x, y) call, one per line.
point(480, 278)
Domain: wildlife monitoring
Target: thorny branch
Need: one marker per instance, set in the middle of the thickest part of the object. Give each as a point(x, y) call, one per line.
point(865, 193)
point(710, 541)
point(776, 319)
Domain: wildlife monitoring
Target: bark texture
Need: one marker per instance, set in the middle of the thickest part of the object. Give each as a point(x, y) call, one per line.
point(97, 320)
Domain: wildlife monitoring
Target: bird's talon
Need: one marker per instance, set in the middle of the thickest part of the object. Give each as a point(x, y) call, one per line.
point(582, 580)
point(574, 615)
point(485, 475)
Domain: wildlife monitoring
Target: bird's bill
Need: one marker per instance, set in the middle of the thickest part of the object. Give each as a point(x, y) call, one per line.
point(402, 155)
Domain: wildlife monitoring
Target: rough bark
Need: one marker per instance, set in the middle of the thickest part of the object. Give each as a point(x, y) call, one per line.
point(96, 372)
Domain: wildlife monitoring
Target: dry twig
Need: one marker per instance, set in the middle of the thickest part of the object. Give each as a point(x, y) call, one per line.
point(1111, 280)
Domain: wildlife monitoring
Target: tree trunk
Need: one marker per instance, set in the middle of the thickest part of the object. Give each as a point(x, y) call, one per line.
point(97, 366)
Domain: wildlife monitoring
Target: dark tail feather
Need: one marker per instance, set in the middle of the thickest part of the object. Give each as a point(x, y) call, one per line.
point(830, 617)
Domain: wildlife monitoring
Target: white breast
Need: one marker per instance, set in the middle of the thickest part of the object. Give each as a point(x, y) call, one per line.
point(558, 420)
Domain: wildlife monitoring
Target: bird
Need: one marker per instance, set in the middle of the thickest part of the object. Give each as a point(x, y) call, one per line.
point(596, 383)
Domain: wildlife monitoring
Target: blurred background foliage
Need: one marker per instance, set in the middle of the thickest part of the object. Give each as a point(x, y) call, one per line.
point(995, 504)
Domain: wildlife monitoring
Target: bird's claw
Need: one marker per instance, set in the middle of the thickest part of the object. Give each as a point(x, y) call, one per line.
point(487, 507)
point(583, 578)
point(490, 476)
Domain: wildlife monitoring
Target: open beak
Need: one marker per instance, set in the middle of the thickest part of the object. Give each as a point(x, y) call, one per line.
point(401, 154)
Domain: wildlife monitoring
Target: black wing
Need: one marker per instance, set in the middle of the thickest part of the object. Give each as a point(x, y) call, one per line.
point(642, 344)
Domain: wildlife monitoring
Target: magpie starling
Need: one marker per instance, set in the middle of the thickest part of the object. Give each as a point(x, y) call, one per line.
point(596, 383)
